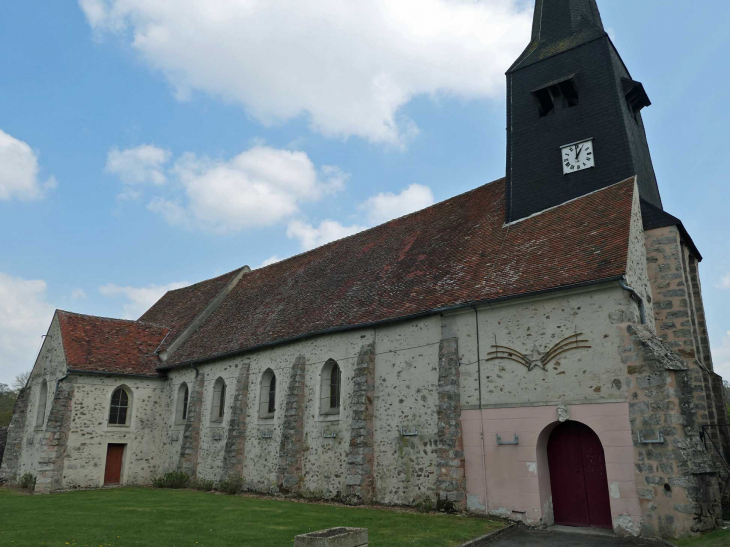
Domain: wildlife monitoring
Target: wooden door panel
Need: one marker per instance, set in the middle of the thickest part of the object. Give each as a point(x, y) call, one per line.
point(596, 481)
point(578, 477)
point(570, 505)
point(113, 470)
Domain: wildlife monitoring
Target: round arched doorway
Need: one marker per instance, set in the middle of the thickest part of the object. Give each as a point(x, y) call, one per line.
point(578, 477)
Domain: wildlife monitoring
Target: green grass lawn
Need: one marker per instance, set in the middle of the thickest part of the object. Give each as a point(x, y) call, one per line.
point(124, 517)
point(718, 538)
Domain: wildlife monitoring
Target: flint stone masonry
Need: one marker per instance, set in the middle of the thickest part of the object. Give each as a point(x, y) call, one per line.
point(451, 479)
point(190, 446)
point(10, 463)
point(54, 442)
point(334, 537)
point(292, 435)
point(236, 439)
point(676, 482)
point(360, 479)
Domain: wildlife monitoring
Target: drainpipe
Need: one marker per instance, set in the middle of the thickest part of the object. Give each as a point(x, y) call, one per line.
point(636, 297)
point(61, 379)
point(481, 418)
point(195, 369)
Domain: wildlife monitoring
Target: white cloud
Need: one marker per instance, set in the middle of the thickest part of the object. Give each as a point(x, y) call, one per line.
point(347, 66)
point(721, 357)
point(19, 171)
point(387, 206)
point(78, 294)
point(725, 282)
point(25, 316)
point(140, 165)
point(139, 299)
point(259, 187)
point(271, 260)
point(310, 236)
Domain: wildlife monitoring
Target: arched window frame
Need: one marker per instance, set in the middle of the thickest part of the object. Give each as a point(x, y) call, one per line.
point(218, 404)
point(330, 392)
point(183, 400)
point(120, 409)
point(267, 394)
point(40, 418)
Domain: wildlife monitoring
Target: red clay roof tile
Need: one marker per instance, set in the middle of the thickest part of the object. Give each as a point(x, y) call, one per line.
point(99, 344)
point(455, 252)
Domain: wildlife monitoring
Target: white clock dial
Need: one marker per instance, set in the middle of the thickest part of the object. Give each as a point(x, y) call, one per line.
point(578, 156)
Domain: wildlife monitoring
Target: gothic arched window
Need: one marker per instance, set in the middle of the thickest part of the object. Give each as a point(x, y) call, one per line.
point(42, 401)
point(119, 407)
point(181, 411)
point(330, 388)
point(267, 395)
point(218, 408)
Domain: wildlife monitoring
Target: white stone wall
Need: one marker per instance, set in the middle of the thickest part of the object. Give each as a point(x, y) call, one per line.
point(147, 447)
point(637, 275)
point(578, 376)
point(49, 367)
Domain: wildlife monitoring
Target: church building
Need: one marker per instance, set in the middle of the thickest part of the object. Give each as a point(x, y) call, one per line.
point(534, 349)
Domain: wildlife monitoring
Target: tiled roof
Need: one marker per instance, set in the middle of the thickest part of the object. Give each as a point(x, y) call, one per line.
point(99, 344)
point(455, 252)
point(177, 309)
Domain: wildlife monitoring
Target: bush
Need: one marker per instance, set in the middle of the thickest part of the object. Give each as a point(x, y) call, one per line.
point(232, 485)
point(425, 505)
point(174, 479)
point(27, 482)
point(202, 484)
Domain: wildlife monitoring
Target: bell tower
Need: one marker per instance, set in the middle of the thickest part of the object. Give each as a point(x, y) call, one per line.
point(573, 114)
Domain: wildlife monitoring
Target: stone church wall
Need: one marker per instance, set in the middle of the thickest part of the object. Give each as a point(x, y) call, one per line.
point(27, 443)
point(90, 433)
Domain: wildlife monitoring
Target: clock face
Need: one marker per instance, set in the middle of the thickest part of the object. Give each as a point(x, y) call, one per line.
point(578, 156)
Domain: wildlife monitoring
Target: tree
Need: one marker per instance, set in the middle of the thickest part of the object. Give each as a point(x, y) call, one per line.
point(20, 380)
point(7, 402)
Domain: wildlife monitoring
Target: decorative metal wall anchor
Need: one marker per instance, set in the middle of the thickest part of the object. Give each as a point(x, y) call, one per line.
point(329, 434)
point(537, 359)
point(406, 432)
point(267, 433)
point(505, 443)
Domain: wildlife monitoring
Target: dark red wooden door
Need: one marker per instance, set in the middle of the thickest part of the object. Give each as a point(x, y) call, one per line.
point(578, 477)
point(113, 471)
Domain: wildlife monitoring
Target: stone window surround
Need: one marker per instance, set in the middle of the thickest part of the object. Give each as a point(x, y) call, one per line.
point(179, 418)
point(218, 401)
point(130, 408)
point(324, 412)
point(263, 405)
point(40, 420)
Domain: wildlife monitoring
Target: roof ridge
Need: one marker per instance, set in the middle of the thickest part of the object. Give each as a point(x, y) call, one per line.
point(58, 310)
point(205, 280)
point(303, 253)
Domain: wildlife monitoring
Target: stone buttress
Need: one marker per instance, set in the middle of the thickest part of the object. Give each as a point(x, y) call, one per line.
point(360, 480)
point(291, 448)
point(190, 446)
point(233, 455)
point(55, 440)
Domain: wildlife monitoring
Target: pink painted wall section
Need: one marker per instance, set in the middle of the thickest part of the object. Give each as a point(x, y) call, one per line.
point(518, 479)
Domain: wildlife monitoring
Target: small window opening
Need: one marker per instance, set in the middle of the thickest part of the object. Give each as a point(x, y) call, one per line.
point(267, 394)
point(119, 407)
point(42, 400)
point(556, 96)
point(272, 395)
point(218, 408)
point(181, 413)
point(330, 388)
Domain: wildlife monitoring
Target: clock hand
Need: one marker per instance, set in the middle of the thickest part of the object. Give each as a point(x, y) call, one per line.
point(577, 152)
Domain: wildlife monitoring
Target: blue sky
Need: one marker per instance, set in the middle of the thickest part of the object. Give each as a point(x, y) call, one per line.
point(118, 117)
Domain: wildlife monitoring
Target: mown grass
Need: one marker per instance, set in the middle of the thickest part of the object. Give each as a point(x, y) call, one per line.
point(123, 517)
point(718, 538)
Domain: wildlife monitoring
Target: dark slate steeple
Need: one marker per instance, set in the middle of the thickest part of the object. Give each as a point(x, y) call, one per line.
point(570, 85)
